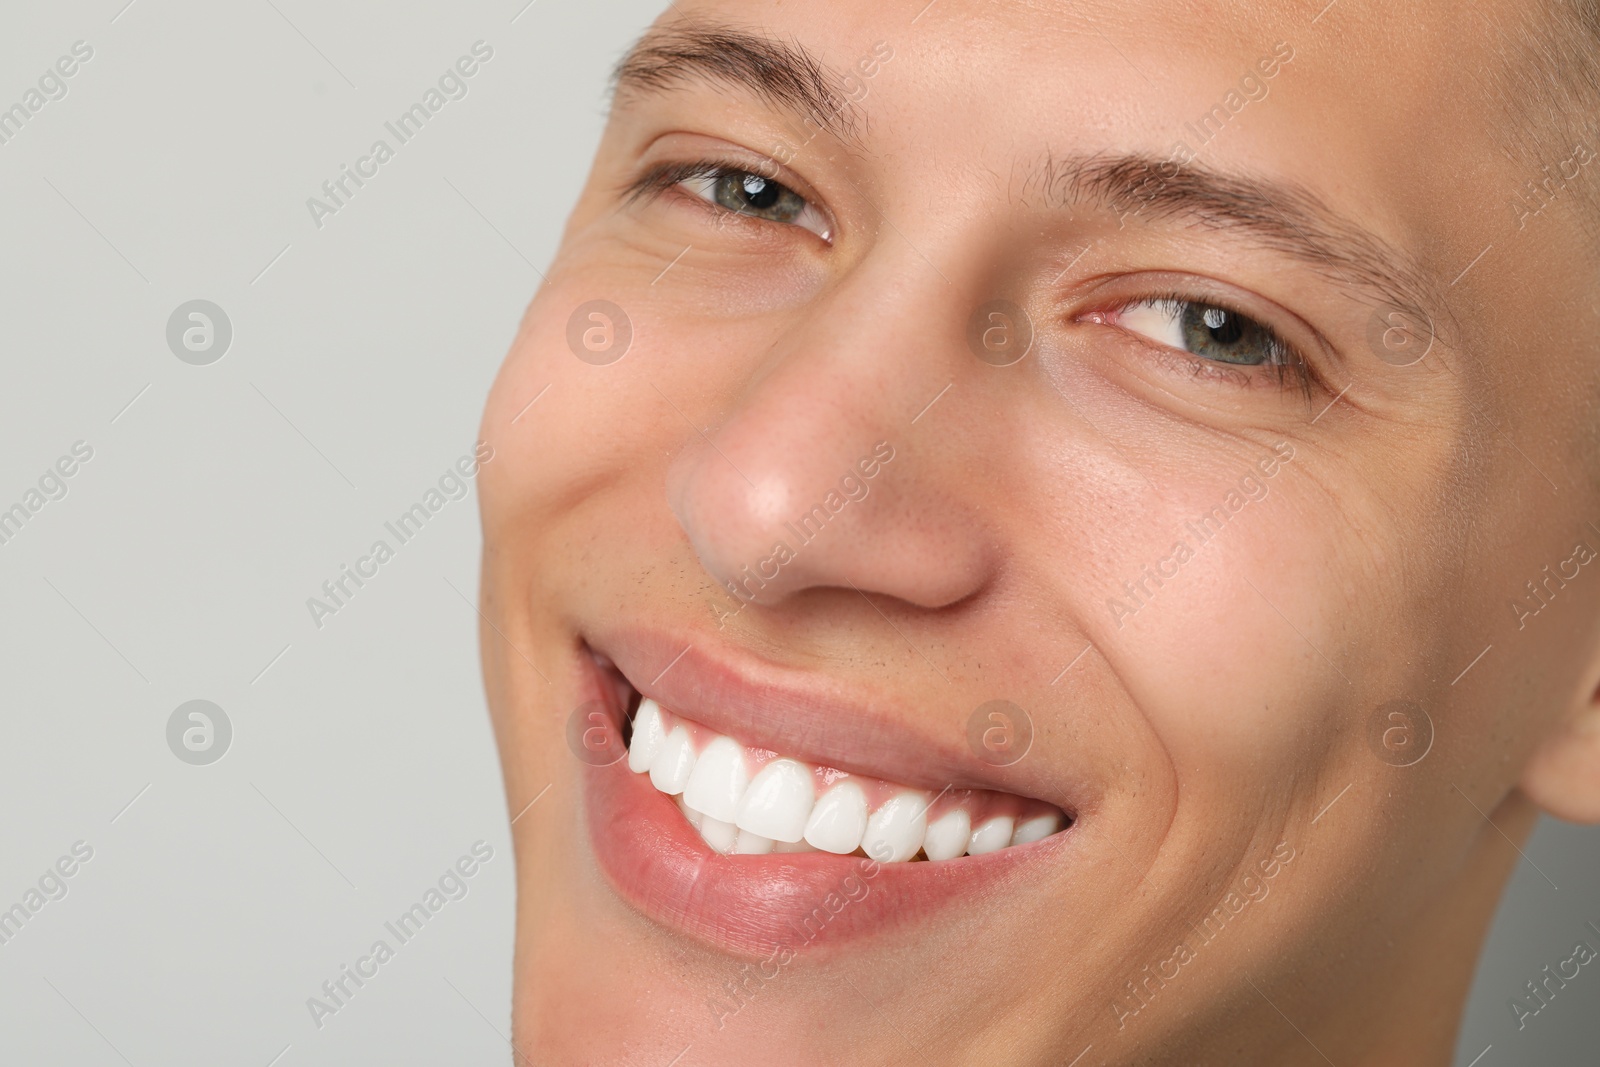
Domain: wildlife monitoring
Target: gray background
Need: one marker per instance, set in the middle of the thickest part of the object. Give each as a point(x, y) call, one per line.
point(220, 497)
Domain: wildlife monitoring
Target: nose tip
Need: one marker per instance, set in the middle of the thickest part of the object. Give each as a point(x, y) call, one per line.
point(776, 521)
point(736, 523)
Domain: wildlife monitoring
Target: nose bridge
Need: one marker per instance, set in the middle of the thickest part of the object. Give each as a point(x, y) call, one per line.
point(868, 349)
point(813, 479)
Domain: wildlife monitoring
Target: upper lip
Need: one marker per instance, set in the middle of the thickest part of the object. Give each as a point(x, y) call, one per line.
point(803, 714)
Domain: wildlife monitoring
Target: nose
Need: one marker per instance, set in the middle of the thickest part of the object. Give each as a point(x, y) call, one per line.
point(820, 477)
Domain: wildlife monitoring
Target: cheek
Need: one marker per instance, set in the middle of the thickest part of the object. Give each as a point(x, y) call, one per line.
point(1184, 585)
point(593, 396)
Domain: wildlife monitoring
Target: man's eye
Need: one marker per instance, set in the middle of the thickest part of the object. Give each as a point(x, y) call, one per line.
point(745, 193)
point(1207, 331)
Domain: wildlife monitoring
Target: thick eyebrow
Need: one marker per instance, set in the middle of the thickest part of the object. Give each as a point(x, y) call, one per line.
point(781, 74)
point(1278, 215)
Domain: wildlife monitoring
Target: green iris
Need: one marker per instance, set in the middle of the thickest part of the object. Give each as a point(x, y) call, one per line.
point(1227, 337)
point(751, 194)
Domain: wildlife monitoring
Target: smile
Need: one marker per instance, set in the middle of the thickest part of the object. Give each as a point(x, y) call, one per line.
point(746, 801)
point(735, 825)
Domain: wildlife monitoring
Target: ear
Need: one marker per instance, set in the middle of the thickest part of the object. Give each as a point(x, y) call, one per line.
point(1563, 777)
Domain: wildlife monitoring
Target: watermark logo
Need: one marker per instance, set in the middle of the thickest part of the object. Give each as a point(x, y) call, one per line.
point(1400, 733)
point(454, 484)
point(1399, 338)
point(999, 733)
point(1140, 989)
point(453, 84)
point(599, 333)
point(593, 737)
point(1553, 978)
point(51, 86)
point(51, 886)
point(452, 885)
point(752, 979)
point(1000, 333)
point(199, 732)
point(853, 487)
point(199, 332)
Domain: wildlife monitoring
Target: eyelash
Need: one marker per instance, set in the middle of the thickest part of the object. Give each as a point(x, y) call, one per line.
point(663, 177)
point(1290, 365)
point(1292, 368)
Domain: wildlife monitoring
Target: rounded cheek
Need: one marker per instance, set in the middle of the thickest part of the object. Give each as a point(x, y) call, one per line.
point(560, 405)
point(1211, 607)
point(612, 356)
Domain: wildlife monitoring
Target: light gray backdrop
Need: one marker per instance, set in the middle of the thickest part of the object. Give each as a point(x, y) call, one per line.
point(174, 564)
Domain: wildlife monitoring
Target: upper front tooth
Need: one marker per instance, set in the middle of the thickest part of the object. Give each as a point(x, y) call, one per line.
point(649, 730)
point(992, 834)
point(719, 780)
point(894, 833)
point(779, 801)
point(1036, 828)
point(948, 835)
point(673, 763)
point(839, 819)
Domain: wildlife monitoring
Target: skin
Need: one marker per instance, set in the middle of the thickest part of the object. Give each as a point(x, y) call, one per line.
point(1217, 721)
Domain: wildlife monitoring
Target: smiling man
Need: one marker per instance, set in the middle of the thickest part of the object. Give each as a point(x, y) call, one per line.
point(1054, 533)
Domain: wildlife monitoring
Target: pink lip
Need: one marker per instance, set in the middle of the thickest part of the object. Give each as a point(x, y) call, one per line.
point(756, 905)
point(810, 716)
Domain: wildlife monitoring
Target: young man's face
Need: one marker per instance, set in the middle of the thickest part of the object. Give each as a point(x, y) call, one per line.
point(1208, 383)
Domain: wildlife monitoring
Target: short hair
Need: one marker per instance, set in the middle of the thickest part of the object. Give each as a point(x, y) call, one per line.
point(1550, 83)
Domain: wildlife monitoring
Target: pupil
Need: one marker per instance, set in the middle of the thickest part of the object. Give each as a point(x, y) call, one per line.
point(760, 193)
point(1225, 328)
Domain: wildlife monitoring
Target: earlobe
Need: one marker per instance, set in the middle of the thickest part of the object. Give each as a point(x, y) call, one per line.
point(1563, 777)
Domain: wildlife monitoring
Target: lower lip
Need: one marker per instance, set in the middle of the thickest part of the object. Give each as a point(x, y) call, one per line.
point(756, 905)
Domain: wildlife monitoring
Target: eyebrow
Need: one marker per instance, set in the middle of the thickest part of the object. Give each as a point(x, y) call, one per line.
point(1278, 215)
point(781, 74)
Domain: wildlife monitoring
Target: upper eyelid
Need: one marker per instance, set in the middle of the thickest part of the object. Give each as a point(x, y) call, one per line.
point(690, 146)
point(1294, 359)
point(1169, 301)
point(1200, 289)
point(734, 158)
point(661, 178)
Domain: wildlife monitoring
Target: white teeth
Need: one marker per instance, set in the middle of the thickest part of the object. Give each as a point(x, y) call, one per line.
point(689, 813)
point(992, 834)
point(794, 846)
point(673, 763)
point(778, 811)
point(839, 819)
point(719, 780)
point(894, 833)
point(720, 835)
point(649, 730)
point(948, 835)
point(779, 801)
point(750, 844)
point(1036, 828)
